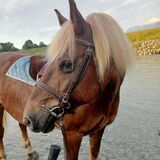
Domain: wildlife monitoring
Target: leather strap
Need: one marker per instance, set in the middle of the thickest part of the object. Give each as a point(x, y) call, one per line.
point(48, 89)
point(85, 43)
point(81, 72)
point(74, 83)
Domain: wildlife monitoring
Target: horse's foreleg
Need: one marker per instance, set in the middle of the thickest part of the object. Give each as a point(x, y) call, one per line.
point(73, 144)
point(32, 155)
point(95, 142)
point(2, 153)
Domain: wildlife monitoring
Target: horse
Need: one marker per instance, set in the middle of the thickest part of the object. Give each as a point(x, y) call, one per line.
point(80, 88)
point(13, 96)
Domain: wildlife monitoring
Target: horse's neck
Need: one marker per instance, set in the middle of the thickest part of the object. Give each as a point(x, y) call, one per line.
point(36, 63)
point(109, 87)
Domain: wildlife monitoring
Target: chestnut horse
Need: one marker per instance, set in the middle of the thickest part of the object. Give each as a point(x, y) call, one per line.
point(13, 96)
point(80, 89)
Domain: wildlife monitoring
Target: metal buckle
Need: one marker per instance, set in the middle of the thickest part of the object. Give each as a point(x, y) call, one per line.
point(51, 111)
point(67, 106)
point(65, 99)
point(65, 102)
point(89, 51)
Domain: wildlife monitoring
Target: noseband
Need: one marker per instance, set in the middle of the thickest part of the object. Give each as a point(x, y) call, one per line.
point(64, 100)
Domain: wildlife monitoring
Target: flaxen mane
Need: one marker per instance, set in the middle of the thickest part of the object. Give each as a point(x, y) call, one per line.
point(63, 42)
point(109, 40)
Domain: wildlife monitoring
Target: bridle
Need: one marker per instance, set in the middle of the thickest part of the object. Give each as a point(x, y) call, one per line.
point(64, 100)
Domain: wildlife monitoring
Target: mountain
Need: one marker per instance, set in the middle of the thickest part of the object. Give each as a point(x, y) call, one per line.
point(144, 27)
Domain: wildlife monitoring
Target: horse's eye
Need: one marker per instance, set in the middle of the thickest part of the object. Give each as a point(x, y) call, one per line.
point(66, 66)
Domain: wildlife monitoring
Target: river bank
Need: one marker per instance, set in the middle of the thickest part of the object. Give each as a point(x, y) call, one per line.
point(150, 47)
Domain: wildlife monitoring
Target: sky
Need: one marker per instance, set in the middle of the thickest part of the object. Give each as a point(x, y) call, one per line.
point(21, 20)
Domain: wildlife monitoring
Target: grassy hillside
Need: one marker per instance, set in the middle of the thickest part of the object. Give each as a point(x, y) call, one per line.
point(151, 34)
point(35, 51)
point(147, 40)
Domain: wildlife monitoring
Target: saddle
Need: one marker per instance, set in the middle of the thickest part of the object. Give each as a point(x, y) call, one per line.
point(28, 69)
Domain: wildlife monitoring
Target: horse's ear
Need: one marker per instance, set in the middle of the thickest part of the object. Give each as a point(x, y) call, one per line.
point(78, 21)
point(61, 18)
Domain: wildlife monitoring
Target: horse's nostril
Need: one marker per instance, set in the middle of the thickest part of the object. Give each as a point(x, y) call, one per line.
point(27, 121)
point(31, 123)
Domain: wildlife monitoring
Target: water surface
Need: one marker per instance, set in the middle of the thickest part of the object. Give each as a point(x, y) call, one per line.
point(135, 134)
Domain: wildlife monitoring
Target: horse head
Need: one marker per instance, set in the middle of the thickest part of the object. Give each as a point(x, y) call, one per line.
point(84, 57)
point(70, 75)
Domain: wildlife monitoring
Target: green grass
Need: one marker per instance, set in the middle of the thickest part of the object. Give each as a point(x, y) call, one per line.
point(136, 38)
point(150, 34)
point(35, 51)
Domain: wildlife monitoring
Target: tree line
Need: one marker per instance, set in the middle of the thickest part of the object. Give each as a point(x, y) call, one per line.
point(8, 46)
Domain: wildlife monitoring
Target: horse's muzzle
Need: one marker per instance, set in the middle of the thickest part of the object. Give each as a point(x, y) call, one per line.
point(44, 126)
point(32, 124)
point(49, 125)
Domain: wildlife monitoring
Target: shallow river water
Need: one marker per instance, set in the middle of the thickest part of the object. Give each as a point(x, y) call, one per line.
point(135, 134)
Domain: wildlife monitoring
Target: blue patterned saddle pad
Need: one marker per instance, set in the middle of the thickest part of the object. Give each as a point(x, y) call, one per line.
point(20, 71)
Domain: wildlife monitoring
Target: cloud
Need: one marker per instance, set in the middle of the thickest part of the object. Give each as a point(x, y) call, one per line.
point(8, 5)
point(130, 1)
point(153, 20)
point(102, 0)
point(36, 20)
